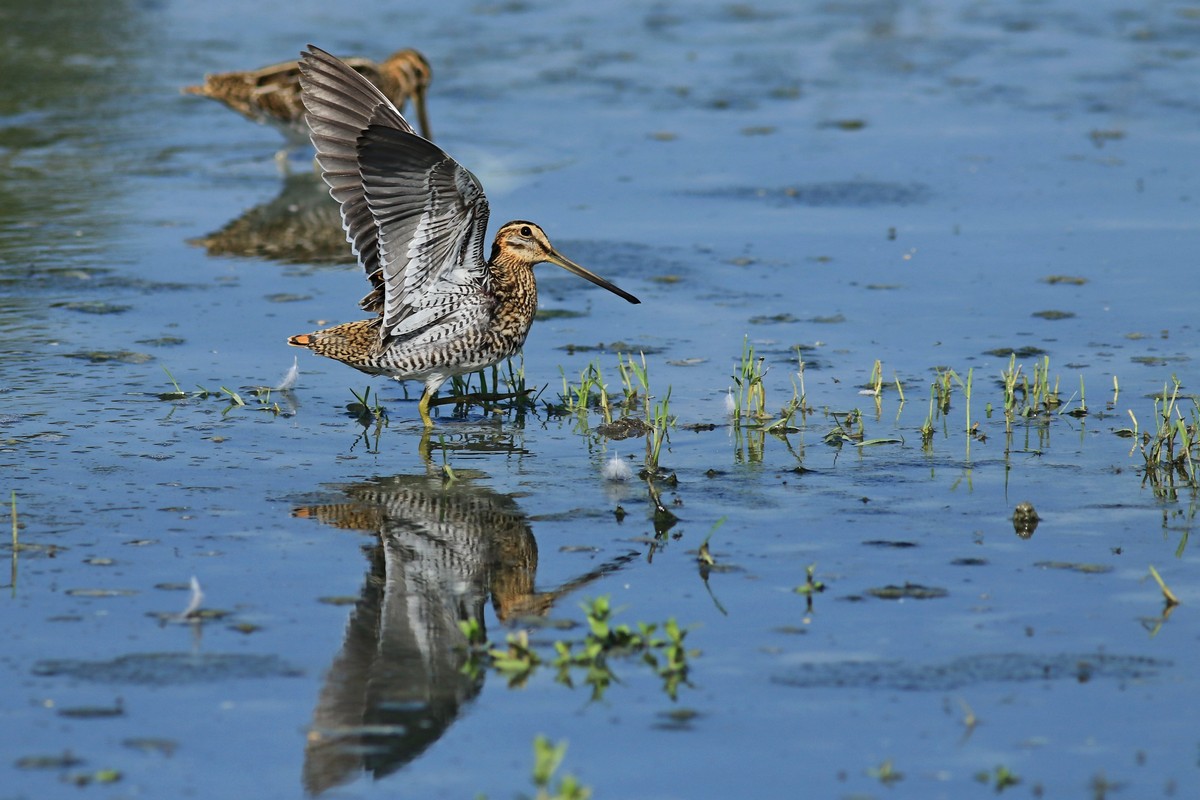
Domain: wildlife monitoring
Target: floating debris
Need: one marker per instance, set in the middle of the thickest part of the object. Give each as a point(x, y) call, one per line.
point(1073, 566)
point(289, 379)
point(101, 592)
point(1025, 520)
point(193, 606)
point(94, 712)
point(909, 591)
point(624, 428)
point(970, 670)
point(64, 761)
point(615, 469)
point(113, 356)
point(1168, 595)
point(166, 747)
point(92, 307)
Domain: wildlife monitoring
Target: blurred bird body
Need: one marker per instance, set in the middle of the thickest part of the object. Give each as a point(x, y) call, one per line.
point(271, 95)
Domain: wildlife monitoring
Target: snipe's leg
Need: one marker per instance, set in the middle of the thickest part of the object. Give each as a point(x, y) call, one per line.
point(423, 407)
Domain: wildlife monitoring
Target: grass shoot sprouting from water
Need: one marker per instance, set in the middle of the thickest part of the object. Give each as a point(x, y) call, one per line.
point(635, 379)
point(365, 409)
point(637, 411)
point(1168, 595)
point(660, 420)
point(749, 393)
point(500, 387)
point(261, 395)
point(1170, 451)
point(1026, 397)
point(590, 393)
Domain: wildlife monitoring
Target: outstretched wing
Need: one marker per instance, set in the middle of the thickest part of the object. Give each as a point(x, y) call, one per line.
point(415, 217)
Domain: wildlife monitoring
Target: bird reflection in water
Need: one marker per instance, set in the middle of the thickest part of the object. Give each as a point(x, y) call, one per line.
point(442, 548)
point(299, 226)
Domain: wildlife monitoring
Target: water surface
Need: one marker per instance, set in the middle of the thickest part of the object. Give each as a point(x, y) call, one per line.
point(870, 181)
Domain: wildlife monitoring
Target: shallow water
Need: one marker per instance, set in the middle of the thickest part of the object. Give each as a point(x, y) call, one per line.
point(869, 180)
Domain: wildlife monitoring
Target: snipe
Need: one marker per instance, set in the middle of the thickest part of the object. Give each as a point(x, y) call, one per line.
point(271, 95)
point(417, 219)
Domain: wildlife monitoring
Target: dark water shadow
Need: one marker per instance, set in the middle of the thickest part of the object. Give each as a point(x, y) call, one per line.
point(441, 548)
point(972, 670)
point(301, 225)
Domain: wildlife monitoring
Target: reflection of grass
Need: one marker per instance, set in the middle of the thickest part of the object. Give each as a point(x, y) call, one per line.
point(661, 647)
point(547, 758)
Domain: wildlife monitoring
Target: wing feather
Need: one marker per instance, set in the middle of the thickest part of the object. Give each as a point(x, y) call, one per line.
point(415, 217)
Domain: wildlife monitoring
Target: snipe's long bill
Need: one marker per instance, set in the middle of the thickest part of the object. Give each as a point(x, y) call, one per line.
point(271, 95)
point(417, 219)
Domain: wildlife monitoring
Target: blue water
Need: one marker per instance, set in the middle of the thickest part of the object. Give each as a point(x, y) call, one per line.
point(912, 172)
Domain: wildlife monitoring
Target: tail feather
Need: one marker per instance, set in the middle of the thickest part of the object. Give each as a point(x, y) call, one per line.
point(302, 340)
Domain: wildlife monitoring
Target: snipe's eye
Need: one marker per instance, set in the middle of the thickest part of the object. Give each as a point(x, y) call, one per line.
point(525, 231)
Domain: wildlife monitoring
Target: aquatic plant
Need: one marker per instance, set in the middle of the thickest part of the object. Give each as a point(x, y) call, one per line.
point(1001, 778)
point(1168, 450)
point(518, 658)
point(886, 773)
point(927, 429)
point(750, 395)
point(635, 378)
point(747, 399)
point(811, 585)
point(484, 388)
point(366, 410)
point(1168, 595)
point(591, 392)
point(660, 420)
point(547, 758)
point(1025, 397)
point(261, 394)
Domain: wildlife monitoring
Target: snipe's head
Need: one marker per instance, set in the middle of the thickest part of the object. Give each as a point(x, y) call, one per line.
point(408, 68)
point(521, 244)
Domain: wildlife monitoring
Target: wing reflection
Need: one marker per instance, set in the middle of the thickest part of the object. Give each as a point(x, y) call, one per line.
point(300, 226)
point(397, 683)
